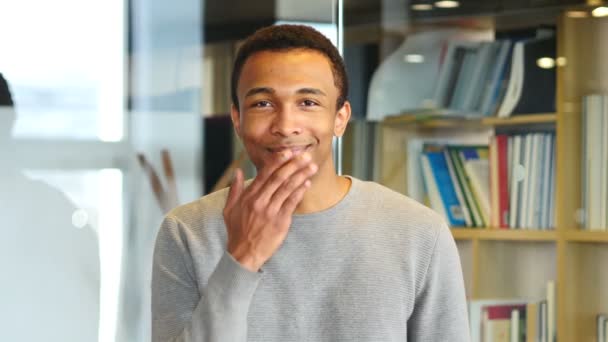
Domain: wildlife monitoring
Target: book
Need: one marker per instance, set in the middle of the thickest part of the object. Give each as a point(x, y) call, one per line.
point(497, 82)
point(516, 333)
point(494, 180)
point(601, 328)
point(532, 322)
point(440, 187)
point(551, 311)
point(477, 169)
point(476, 311)
point(517, 176)
point(458, 189)
point(465, 186)
point(496, 323)
point(531, 88)
point(592, 166)
point(503, 180)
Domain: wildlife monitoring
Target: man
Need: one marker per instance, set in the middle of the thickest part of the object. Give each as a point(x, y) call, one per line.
point(301, 253)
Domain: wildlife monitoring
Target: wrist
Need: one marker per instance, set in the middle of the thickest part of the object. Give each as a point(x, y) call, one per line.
point(246, 260)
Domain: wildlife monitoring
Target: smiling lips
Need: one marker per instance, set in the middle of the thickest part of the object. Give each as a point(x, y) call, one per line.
point(295, 150)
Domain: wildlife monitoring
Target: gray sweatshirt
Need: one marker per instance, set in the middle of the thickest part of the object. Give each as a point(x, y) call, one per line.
point(377, 266)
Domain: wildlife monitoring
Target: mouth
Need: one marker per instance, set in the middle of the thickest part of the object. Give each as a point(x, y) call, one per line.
point(295, 150)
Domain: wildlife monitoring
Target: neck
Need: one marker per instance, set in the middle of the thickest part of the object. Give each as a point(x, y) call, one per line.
point(326, 190)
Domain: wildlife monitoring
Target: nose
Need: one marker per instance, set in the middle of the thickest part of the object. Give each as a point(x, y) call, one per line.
point(285, 123)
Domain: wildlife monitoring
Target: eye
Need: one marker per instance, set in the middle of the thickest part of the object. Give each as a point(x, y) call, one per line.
point(309, 103)
point(261, 104)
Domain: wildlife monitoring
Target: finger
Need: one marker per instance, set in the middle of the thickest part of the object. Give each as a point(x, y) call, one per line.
point(292, 202)
point(155, 183)
point(236, 188)
point(282, 177)
point(170, 176)
point(290, 186)
point(268, 170)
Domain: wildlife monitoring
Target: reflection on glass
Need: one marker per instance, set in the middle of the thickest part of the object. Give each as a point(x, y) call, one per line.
point(67, 78)
point(98, 194)
point(50, 269)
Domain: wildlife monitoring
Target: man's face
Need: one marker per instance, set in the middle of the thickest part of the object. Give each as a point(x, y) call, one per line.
point(288, 101)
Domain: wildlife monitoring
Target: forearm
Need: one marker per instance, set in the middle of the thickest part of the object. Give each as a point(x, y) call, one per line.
point(221, 312)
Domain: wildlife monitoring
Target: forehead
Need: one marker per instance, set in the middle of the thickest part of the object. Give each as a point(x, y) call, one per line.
point(304, 65)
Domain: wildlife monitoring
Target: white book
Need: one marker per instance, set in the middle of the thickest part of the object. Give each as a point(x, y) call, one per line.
point(538, 180)
point(584, 219)
point(594, 156)
point(515, 82)
point(551, 311)
point(509, 161)
point(552, 186)
point(514, 326)
point(543, 322)
point(546, 179)
point(524, 207)
point(533, 182)
point(604, 165)
point(515, 181)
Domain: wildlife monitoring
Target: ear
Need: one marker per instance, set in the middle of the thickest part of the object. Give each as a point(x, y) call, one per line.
point(341, 119)
point(236, 119)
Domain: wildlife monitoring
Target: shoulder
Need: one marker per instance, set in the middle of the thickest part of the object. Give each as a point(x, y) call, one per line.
point(396, 206)
point(400, 215)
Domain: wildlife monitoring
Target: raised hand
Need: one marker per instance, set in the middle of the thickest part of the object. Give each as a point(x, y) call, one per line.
point(258, 218)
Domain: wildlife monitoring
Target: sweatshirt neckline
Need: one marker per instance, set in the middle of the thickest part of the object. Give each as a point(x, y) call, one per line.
point(333, 210)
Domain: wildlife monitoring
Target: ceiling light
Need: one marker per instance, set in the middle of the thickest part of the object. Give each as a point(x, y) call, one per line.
point(600, 12)
point(447, 4)
point(413, 58)
point(422, 7)
point(545, 62)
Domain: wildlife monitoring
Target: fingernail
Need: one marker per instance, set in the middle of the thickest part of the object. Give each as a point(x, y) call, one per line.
point(313, 167)
point(286, 154)
point(305, 157)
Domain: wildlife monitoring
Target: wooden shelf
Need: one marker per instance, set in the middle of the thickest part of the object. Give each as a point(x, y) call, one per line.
point(503, 234)
point(447, 121)
point(586, 236)
point(528, 119)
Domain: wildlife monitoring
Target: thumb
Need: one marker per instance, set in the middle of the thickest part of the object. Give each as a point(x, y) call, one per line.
point(236, 189)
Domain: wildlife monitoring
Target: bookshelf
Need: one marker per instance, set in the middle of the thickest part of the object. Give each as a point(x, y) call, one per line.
point(517, 263)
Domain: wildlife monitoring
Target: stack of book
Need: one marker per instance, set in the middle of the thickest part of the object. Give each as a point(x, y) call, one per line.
point(503, 77)
point(595, 162)
point(509, 184)
point(513, 320)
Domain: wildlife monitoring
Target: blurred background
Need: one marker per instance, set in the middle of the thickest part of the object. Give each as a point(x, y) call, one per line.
point(113, 112)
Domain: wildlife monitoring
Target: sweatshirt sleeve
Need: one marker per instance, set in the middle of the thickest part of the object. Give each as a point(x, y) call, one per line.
point(440, 311)
point(182, 313)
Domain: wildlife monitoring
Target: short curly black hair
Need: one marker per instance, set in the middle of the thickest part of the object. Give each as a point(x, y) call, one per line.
point(285, 38)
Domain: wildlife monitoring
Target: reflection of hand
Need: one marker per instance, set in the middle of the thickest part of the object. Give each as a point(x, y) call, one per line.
point(166, 198)
point(258, 218)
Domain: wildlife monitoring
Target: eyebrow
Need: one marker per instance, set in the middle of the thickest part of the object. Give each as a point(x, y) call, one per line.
point(313, 91)
point(259, 90)
point(267, 90)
